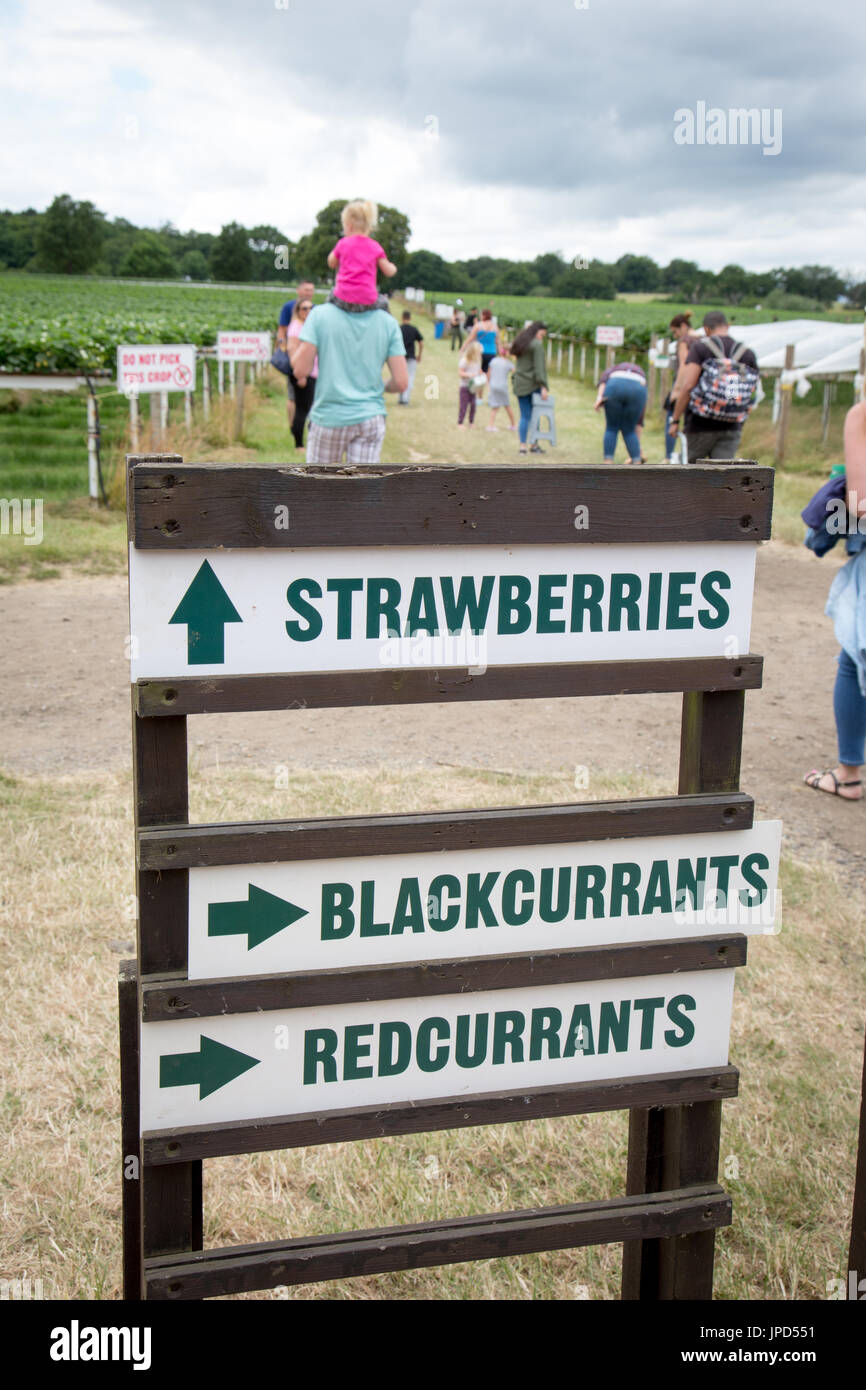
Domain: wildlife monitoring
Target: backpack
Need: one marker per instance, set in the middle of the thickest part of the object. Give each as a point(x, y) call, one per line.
point(726, 387)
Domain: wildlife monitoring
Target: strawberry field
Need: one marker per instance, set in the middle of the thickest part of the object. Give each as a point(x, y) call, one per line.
point(579, 318)
point(62, 323)
point(58, 324)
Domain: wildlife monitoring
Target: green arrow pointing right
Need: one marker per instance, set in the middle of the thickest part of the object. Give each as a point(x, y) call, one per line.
point(205, 609)
point(213, 1066)
point(262, 916)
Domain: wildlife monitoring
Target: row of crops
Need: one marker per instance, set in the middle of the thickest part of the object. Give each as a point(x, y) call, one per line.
point(60, 323)
point(579, 318)
point(57, 323)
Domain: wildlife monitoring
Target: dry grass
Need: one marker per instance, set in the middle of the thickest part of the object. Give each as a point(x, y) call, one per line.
point(212, 440)
point(65, 889)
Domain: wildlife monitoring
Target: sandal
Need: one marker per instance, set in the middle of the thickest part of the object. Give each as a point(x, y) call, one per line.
point(836, 784)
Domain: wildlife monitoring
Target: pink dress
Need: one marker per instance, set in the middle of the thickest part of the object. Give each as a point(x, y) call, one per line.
point(295, 327)
point(356, 275)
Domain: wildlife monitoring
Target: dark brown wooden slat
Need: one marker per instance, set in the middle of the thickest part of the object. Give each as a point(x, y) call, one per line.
point(181, 998)
point(171, 1201)
point(136, 461)
point(130, 1197)
point(711, 740)
point(338, 837)
point(857, 1247)
point(700, 1138)
point(677, 1145)
point(244, 1268)
point(208, 505)
point(344, 689)
point(171, 1146)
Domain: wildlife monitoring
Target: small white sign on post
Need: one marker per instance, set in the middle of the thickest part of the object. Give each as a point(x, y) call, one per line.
point(243, 347)
point(409, 292)
point(145, 367)
point(317, 1060)
point(396, 909)
point(608, 336)
point(257, 611)
point(443, 311)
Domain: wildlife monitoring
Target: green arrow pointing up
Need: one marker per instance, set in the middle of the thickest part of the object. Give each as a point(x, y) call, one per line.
point(215, 1065)
point(262, 916)
point(205, 609)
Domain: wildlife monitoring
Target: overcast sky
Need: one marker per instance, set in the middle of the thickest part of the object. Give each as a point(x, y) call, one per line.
point(509, 128)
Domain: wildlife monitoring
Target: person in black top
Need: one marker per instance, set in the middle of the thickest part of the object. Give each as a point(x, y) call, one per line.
point(411, 338)
point(708, 438)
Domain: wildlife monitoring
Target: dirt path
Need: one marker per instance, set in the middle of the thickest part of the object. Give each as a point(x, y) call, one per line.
point(78, 718)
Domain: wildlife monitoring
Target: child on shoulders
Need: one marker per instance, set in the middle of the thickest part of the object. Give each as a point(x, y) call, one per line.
point(356, 258)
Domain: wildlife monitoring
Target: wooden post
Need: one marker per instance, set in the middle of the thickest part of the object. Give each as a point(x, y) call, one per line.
point(825, 413)
point(549, 350)
point(559, 354)
point(595, 371)
point(171, 1194)
point(609, 357)
point(582, 361)
point(571, 357)
point(651, 374)
point(678, 1146)
point(857, 1249)
point(239, 398)
point(155, 422)
point(133, 422)
point(231, 378)
point(187, 409)
point(92, 457)
point(130, 1157)
point(785, 408)
point(205, 388)
point(220, 377)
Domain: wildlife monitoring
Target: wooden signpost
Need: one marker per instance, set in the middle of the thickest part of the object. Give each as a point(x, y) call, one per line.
point(303, 982)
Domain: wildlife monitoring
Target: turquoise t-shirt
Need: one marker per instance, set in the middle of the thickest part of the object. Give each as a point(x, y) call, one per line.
point(352, 350)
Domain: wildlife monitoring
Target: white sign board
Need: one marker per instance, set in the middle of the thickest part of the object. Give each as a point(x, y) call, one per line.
point(155, 367)
point(241, 1067)
point(328, 914)
point(443, 311)
point(409, 292)
point(243, 347)
point(609, 337)
point(261, 611)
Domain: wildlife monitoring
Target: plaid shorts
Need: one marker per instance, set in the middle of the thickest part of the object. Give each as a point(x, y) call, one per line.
point(361, 443)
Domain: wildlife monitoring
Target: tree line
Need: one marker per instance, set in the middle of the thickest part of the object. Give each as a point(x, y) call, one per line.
point(75, 238)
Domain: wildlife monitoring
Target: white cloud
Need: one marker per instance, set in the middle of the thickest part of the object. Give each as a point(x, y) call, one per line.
point(553, 134)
